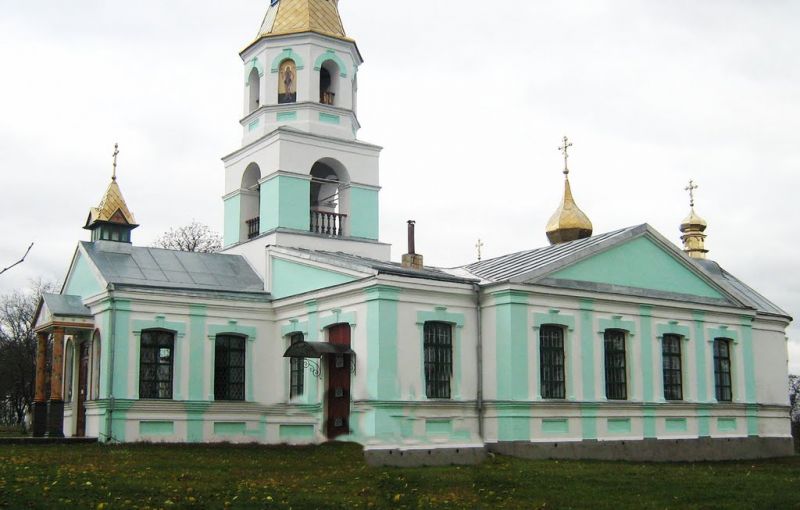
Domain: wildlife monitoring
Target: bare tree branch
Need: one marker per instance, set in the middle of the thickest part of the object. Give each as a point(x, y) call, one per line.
point(20, 261)
point(193, 237)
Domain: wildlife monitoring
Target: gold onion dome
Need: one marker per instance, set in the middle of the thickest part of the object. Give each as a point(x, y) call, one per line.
point(693, 228)
point(299, 16)
point(568, 223)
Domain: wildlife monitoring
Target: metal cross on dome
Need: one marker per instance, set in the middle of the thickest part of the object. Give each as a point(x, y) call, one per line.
point(565, 149)
point(479, 246)
point(692, 186)
point(116, 153)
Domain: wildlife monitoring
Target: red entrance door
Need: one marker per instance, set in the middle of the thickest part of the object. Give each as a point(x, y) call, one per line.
point(83, 386)
point(338, 395)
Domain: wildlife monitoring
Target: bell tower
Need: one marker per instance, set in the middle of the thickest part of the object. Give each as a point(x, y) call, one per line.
point(302, 178)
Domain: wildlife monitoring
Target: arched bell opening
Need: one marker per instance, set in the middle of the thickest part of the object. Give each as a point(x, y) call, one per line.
point(328, 82)
point(330, 198)
point(251, 202)
point(254, 91)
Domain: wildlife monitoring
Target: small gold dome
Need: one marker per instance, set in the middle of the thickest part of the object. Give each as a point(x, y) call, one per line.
point(693, 223)
point(568, 223)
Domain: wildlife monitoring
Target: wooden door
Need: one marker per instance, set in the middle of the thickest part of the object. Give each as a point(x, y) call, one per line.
point(83, 388)
point(338, 393)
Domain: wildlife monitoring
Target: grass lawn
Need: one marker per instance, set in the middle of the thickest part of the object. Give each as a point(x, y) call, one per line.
point(335, 476)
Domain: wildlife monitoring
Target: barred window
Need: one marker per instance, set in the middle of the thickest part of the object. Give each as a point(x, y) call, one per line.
point(616, 374)
point(229, 373)
point(671, 359)
point(722, 369)
point(296, 371)
point(155, 364)
point(551, 353)
point(438, 359)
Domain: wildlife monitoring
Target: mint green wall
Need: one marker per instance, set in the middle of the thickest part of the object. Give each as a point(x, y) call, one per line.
point(647, 341)
point(197, 350)
point(82, 281)
point(382, 337)
point(156, 428)
point(233, 220)
point(291, 278)
point(122, 339)
point(512, 345)
point(590, 392)
point(364, 215)
point(749, 360)
point(701, 385)
point(642, 264)
point(286, 203)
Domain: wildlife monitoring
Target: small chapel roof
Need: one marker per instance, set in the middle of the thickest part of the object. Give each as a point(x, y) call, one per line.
point(65, 305)
point(298, 16)
point(170, 269)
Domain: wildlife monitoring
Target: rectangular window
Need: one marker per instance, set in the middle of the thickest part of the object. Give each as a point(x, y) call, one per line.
point(671, 358)
point(438, 359)
point(229, 373)
point(616, 375)
point(551, 353)
point(296, 371)
point(155, 364)
point(722, 369)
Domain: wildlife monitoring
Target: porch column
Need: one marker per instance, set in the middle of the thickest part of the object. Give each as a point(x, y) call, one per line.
point(40, 398)
point(55, 411)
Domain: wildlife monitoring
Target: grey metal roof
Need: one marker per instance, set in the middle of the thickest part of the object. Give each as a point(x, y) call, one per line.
point(356, 262)
point(65, 305)
point(740, 289)
point(158, 268)
point(506, 267)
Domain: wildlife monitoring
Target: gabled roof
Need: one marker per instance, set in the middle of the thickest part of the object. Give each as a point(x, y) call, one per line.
point(112, 208)
point(298, 16)
point(370, 266)
point(169, 269)
point(508, 268)
point(536, 266)
point(60, 305)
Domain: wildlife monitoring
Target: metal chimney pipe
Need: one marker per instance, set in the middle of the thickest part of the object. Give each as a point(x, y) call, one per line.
point(411, 240)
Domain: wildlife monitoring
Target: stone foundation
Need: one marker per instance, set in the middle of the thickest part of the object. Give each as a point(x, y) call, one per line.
point(416, 457)
point(652, 450)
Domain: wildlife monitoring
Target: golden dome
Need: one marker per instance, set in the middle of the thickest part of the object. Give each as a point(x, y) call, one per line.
point(568, 223)
point(693, 223)
point(300, 16)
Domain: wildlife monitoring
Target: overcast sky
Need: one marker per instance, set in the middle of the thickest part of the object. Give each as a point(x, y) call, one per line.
point(469, 98)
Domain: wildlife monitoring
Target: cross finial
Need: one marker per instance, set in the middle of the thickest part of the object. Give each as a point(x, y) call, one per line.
point(692, 186)
point(479, 246)
point(565, 149)
point(116, 153)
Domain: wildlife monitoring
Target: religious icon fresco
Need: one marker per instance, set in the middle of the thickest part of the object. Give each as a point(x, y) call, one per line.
point(287, 82)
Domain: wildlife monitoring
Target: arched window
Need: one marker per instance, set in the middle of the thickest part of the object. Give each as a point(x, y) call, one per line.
point(287, 82)
point(722, 369)
point(156, 360)
point(254, 90)
point(328, 82)
point(296, 372)
point(551, 360)
point(328, 207)
point(616, 371)
point(251, 200)
point(95, 378)
point(438, 347)
point(229, 367)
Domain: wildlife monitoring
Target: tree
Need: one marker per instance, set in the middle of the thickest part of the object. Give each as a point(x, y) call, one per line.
point(794, 397)
point(20, 261)
point(18, 352)
point(195, 237)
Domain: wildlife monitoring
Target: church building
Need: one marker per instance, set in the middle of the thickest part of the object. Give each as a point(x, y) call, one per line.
point(303, 330)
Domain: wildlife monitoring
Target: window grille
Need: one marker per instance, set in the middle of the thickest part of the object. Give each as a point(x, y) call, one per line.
point(155, 366)
point(616, 374)
point(438, 359)
point(671, 358)
point(296, 370)
point(722, 369)
point(551, 351)
point(229, 371)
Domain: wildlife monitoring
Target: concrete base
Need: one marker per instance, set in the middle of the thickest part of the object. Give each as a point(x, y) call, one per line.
point(652, 450)
point(47, 440)
point(416, 457)
point(55, 418)
point(39, 419)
